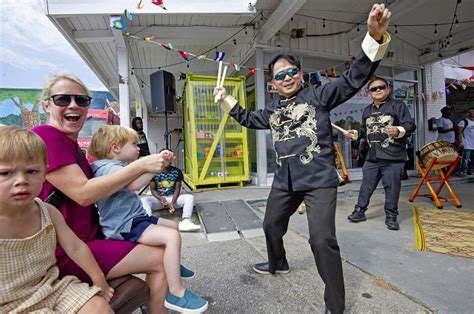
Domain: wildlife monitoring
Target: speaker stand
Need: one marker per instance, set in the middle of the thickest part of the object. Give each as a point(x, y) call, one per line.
point(166, 131)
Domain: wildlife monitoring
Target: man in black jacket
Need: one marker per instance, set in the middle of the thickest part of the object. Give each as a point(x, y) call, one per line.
point(386, 125)
point(302, 138)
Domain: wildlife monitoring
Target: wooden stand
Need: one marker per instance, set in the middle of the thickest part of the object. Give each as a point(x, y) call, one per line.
point(442, 177)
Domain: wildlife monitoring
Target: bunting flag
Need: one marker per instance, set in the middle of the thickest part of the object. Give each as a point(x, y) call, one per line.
point(201, 57)
point(219, 56)
point(236, 66)
point(184, 54)
point(149, 38)
point(158, 3)
point(252, 71)
point(140, 5)
point(167, 46)
point(119, 24)
point(128, 14)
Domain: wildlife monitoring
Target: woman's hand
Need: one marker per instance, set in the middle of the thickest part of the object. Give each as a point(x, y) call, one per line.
point(107, 291)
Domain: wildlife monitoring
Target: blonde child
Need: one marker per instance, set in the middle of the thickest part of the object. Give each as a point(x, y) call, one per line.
point(28, 232)
point(123, 217)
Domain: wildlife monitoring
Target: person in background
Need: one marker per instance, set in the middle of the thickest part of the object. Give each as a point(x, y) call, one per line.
point(137, 125)
point(66, 101)
point(466, 141)
point(299, 120)
point(445, 126)
point(29, 232)
point(386, 126)
point(165, 187)
point(123, 217)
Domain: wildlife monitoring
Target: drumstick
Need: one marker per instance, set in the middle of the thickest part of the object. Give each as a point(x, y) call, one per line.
point(216, 98)
point(338, 128)
point(354, 136)
point(221, 83)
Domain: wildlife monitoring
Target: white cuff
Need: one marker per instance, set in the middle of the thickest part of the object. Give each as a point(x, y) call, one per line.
point(401, 131)
point(372, 49)
point(228, 103)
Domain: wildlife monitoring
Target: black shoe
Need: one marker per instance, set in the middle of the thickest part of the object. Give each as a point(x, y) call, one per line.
point(263, 268)
point(392, 223)
point(357, 215)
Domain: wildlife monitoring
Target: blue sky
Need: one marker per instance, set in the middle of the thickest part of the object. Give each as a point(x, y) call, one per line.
point(31, 48)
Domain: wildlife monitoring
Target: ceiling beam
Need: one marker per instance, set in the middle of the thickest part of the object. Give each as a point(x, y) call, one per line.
point(451, 51)
point(92, 36)
point(279, 18)
point(74, 8)
point(67, 32)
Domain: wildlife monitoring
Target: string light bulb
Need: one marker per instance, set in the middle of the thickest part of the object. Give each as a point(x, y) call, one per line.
point(358, 29)
point(324, 22)
point(396, 29)
point(436, 29)
point(235, 41)
point(245, 30)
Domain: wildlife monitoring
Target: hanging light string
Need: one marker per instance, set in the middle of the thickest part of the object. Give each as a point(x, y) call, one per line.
point(201, 56)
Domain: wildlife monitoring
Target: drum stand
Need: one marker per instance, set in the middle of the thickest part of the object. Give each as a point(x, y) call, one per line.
point(443, 178)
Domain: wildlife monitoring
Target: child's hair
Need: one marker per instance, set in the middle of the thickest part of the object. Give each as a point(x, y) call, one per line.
point(107, 135)
point(19, 144)
point(53, 79)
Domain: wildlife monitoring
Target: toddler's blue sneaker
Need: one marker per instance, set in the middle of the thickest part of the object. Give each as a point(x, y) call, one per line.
point(186, 273)
point(188, 303)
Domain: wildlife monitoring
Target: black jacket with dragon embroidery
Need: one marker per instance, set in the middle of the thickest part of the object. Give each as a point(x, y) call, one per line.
point(374, 129)
point(301, 129)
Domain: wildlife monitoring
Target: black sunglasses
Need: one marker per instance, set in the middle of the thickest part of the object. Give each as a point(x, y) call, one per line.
point(280, 76)
point(64, 100)
point(375, 88)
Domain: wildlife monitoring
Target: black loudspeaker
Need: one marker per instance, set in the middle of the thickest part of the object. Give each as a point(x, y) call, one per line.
point(163, 93)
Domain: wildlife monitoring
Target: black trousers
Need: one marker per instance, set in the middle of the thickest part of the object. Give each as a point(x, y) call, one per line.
point(320, 210)
point(391, 174)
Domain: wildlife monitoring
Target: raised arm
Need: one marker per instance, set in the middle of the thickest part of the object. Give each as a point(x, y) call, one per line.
point(72, 181)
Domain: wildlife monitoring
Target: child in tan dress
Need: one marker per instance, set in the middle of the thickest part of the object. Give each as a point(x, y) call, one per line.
point(28, 230)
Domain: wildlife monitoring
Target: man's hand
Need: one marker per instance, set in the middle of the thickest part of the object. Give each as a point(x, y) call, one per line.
point(378, 20)
point(393, 131)
point(163, 202)
point(221, 92)
point(351, 134)
point(172, 209)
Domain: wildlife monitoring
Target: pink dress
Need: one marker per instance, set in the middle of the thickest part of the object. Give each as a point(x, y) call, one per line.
point(84, 221)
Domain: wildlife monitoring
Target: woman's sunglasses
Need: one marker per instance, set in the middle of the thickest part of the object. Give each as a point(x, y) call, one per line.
point(65, 100)
point(376, 88)
point(280, 76)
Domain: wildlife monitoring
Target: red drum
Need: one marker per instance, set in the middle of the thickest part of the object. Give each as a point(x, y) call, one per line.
point(440, 149)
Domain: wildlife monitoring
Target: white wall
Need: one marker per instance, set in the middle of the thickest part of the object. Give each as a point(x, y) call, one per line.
point(434, 82)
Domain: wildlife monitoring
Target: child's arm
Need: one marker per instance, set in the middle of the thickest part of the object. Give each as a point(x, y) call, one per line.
point(78, 251)
point(140, 182)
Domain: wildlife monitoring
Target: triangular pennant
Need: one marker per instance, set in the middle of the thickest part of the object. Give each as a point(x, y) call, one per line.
point(167, 46)
point(119, 24)
point(184, 54)
point(219, 56)
point(201, 57)
point(252, 71)
point(149, 38)
point(128, 14)
point(236, 66)
point(158, 3)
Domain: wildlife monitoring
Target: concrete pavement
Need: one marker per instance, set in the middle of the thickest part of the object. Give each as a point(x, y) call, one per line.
point(382, 271)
